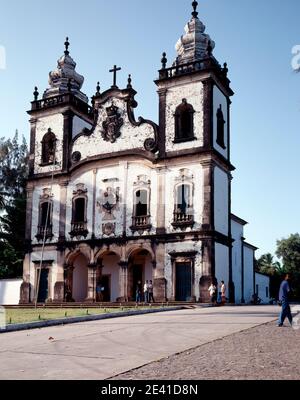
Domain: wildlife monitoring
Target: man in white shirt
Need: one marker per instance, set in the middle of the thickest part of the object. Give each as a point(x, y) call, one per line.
point(212, 292)
point(223, 292)
point(146, 292)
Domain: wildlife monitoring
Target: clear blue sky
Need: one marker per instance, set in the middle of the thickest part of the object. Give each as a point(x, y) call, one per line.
point(255, 37)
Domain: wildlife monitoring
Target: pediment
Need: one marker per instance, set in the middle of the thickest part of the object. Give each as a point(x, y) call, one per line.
point(115, 129)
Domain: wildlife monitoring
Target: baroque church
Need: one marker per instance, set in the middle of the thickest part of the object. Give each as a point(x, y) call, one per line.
point(113, 200)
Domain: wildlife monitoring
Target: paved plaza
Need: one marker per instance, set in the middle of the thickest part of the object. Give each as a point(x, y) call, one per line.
point(105, 349)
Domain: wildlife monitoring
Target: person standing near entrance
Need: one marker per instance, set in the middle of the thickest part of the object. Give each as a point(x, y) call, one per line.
point(138, 292)
point(146, 292)
point(150, 292)
point(213, 293)
point(223, 292)
point(284, 300)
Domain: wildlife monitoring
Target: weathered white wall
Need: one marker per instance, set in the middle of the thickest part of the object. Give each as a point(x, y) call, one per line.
point(10, 291)
point(192, 91)
point(132, 137)
point(263, 282)
point(222, 265)
point(56, 123)
point(219, 98)
point(221, 201)
point(237, 234)
point(248, 273)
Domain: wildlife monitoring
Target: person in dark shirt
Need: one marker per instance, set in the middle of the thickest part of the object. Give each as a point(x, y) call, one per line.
point(284, 299)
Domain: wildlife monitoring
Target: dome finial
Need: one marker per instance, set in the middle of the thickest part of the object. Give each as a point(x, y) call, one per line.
point(195, 5)
point(67, 44)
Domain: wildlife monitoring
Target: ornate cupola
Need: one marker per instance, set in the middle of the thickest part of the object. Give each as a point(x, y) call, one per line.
point(195, 44)
point(65, 78)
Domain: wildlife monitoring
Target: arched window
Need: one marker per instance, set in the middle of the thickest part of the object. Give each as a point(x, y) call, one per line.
point(184, 122)
point(141, 203)
point(79, 210)
point(183, 214)
point(141, 212)
point(45, 220)
point(48, 147)
point(220, 128)
point(79, 221)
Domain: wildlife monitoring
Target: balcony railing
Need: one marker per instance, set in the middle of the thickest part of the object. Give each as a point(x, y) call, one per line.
point(79, 229)
point(44, 231)
point(182, 219)
point(141, 223)
point(62, 99)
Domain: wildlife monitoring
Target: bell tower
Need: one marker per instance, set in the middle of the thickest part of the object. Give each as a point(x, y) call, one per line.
point(194, 126)
point(61, 114)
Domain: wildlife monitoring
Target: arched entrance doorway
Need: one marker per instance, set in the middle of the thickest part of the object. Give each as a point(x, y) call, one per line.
point(140, 270)
point(80, 279)
point(107, 277)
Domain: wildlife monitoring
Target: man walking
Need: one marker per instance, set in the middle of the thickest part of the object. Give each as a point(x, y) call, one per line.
point(284, 299)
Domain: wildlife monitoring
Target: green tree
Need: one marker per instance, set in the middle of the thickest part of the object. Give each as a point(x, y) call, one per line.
point(288, 250)
point(267, 265)
point(13, 175)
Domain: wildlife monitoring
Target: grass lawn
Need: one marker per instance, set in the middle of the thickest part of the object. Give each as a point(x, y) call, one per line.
point(19, 315)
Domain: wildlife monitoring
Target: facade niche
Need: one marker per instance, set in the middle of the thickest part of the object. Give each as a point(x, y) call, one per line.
point(183, 200)
point(141, 219)
point(45, 216)
point(184, 122)
point(79, 212)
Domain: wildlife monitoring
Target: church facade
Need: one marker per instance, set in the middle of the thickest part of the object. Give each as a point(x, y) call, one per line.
point(114, 200)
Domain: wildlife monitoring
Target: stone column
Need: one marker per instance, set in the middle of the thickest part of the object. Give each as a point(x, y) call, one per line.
point(94, 202)
point(162, 93)
point(161, 201)
point(208, 225)
point(123, 281)
point(59, 284)
point(63, 209)
point(160, 283)
point(68, 128)
point(91, 291)
point(25, 291)
point(33, 122)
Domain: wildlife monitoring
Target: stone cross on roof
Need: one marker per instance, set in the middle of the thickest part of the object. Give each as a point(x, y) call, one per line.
point(115, 70)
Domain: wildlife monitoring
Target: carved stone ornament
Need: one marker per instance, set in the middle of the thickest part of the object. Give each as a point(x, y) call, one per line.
point(76, 156)
point(108, 229)
point(112, 124)
point(80, 189)
point(109, 199)
point(47, 195)
point(142, 181)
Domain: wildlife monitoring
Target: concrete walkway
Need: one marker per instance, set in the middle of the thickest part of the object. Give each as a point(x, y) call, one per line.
point(102, 349)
